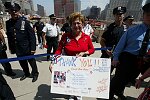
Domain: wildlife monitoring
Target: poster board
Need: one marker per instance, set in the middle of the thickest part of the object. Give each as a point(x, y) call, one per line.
point(81, 76)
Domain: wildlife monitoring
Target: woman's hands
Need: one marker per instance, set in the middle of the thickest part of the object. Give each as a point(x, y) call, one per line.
point(81, 54)
point(53, 60)
point(51, 66)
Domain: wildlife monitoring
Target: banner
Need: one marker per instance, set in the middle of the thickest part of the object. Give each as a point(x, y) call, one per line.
point(81, 76)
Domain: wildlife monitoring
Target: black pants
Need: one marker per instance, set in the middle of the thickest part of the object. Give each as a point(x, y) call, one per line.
point(5, 91)
point(7, 66)
point(105, 55)
point(24, 65)
point(52, 42)
point(39, 36)
point(125, 72)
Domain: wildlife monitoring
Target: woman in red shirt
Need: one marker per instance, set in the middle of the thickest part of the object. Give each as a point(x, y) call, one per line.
point(75, 43)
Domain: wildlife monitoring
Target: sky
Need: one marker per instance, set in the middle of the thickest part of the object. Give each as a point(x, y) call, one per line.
point(49, 4)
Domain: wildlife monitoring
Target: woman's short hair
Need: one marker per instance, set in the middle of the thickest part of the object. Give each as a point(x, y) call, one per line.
point(76, 15)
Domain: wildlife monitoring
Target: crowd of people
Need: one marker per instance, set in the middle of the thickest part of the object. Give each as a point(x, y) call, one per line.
point(130, 56)
point(127, 42)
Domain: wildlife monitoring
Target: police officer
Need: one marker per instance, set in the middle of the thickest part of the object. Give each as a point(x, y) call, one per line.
point(114, 31)
point(129, 21)
point(50, 35)
point(21, 39)
point(39, 26)
point(87, 29)
point(133, 45)
point(113, 34)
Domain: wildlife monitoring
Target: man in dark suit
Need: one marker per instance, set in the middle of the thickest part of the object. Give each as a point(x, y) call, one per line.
point(21, 39)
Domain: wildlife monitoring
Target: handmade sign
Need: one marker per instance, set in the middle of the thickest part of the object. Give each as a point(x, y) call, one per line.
point(81, 76)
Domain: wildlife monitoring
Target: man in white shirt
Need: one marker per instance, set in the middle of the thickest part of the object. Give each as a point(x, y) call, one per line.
point(50, 35)
point(87, 29)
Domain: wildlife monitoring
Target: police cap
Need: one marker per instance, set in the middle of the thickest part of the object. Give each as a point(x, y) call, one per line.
point(119, 10)
point(146, 7)
point(52, 16)
point(129, 17)
point(12, 6)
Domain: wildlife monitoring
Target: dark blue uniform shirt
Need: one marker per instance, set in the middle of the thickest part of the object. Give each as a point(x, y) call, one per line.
point(21, 36)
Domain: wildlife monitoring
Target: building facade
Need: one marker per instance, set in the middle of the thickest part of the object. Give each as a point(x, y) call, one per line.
point(86, 12)
point(63, 8)
point(133, 8)
point(94, 12)
point(40, 10)
point(27, 6)
point(104, 12)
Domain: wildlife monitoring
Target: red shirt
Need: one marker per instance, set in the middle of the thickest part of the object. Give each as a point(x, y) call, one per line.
point(72, 46)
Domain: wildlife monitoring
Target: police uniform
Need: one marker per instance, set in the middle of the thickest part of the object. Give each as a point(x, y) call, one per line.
point(127, 54)
point(87, 29)
point(39, 26)
point(129, 21)
point(52, 33)
point(22, 41)
point(129, 17)
point(113, 32)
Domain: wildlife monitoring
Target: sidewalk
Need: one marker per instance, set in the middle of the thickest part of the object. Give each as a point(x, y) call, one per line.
point(40, 90)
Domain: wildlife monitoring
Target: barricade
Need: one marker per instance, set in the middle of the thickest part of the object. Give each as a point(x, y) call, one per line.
point(37, 55)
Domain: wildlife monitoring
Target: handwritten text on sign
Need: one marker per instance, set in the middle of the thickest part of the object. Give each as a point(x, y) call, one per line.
point(82, 76)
